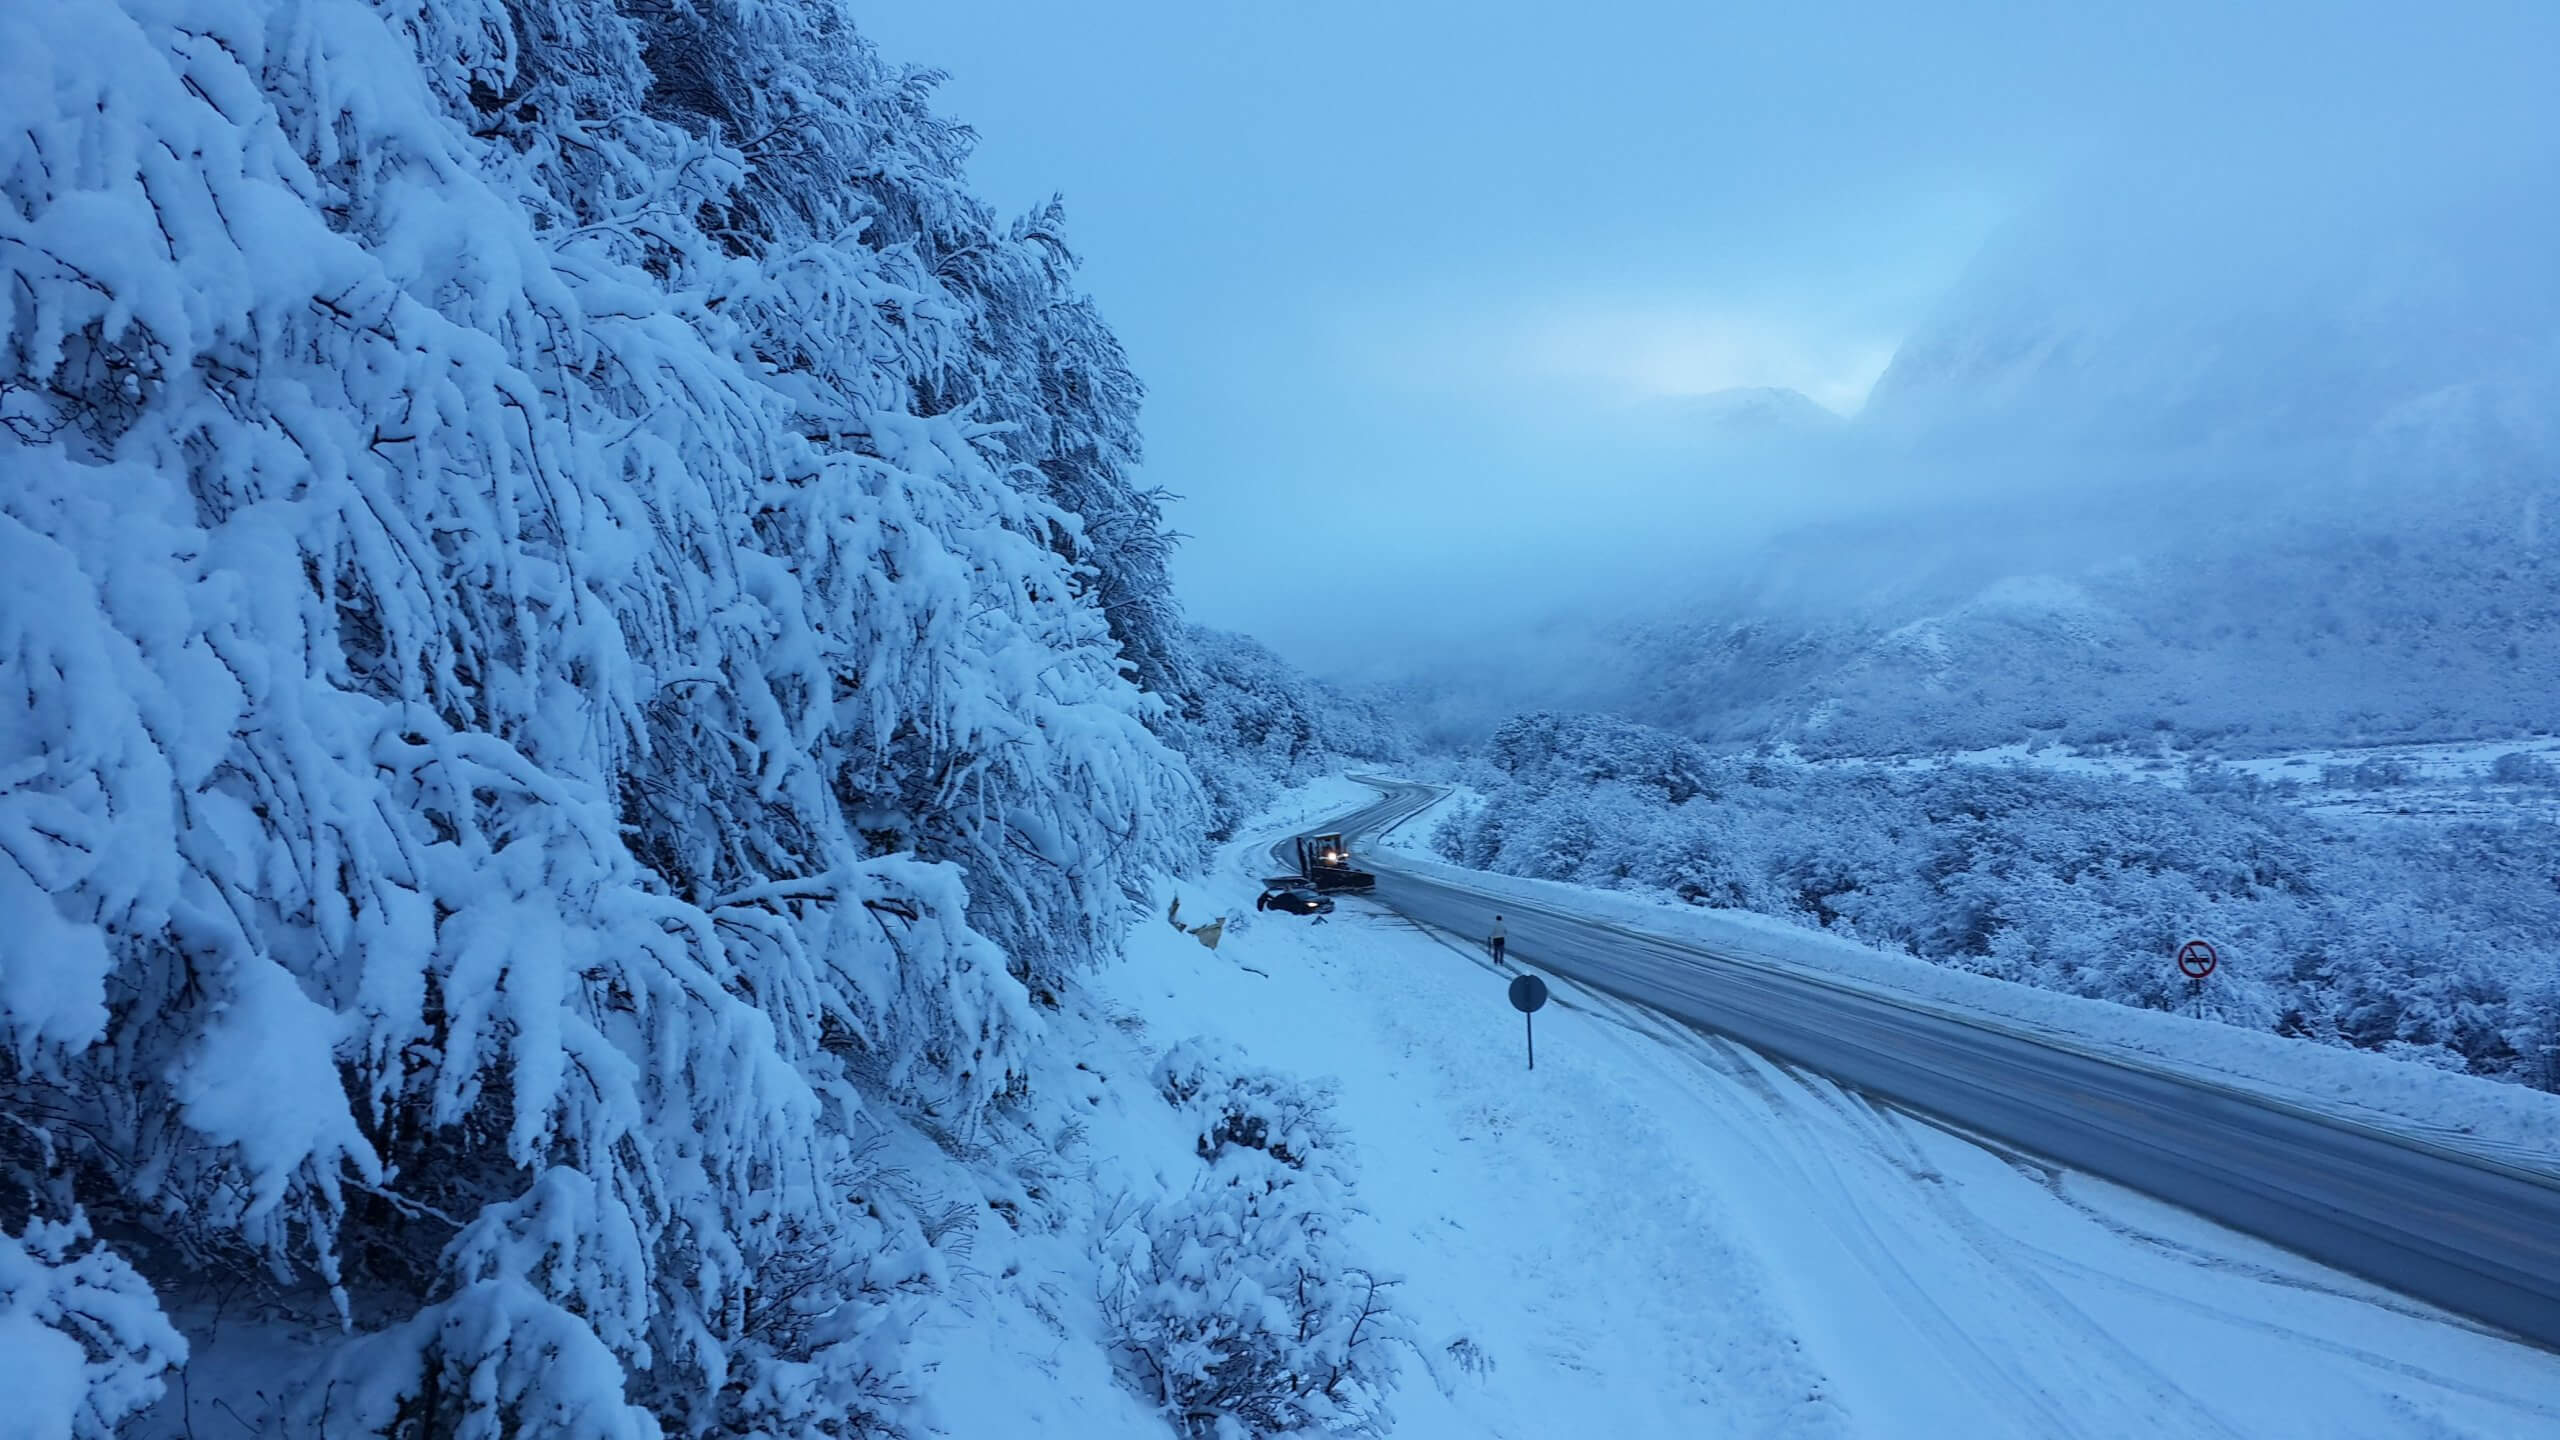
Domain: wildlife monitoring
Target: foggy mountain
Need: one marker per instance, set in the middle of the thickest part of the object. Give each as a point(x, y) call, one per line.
point(1748, 415)
point(2152, 469)
point(2242, 307)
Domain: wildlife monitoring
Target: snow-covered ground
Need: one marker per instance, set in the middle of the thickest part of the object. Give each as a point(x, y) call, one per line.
point(1658, 1233)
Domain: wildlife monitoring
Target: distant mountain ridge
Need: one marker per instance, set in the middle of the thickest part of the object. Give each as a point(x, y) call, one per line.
point(2257, 460)
point(2329, 638)
point(1757, 408)
point(2159, 478)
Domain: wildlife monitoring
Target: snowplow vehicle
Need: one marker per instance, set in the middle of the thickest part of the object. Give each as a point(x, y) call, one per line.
point(1326, 863)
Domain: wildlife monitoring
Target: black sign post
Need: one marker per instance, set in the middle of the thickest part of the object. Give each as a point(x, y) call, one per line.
point(1528, 992)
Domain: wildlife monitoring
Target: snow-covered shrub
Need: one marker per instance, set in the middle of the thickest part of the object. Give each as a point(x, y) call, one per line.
point(1238, 1306)
point(2438, 938)
point(2368, 775)
point(547, 702)
point(82, 1334)
point(2518, 767)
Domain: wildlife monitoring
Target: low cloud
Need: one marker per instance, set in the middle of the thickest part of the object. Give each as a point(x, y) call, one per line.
point(1596, 353)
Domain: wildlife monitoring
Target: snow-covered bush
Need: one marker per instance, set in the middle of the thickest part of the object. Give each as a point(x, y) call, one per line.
point(83, 1336)
point(1238, 1306)
point(553, 583)
point(2441, 938)
point(2518, 767)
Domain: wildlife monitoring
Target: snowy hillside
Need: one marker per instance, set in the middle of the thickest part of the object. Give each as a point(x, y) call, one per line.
point(2359, 611)
point(2264, 638)
point(1253, 725)
point(1747, 418)
point(589, 667)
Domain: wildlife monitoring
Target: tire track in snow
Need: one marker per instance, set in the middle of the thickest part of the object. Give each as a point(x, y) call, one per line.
point(1637, 1295)
point(2003, 1253)
point(1792, 1150)
point(2027, 1271)
point(1878, 1235)
point(2054, 1180)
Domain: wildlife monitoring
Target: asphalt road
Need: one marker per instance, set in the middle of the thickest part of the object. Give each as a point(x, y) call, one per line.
point(2456, 1230)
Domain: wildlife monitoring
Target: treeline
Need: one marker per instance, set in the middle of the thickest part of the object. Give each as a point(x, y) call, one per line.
point(1254, 725)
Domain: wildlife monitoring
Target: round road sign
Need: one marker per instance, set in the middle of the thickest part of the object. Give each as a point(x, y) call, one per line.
point(1528, 992)
point(2197, 958)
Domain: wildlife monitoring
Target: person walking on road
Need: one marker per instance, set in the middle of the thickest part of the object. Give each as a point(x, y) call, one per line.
point(1496, 940)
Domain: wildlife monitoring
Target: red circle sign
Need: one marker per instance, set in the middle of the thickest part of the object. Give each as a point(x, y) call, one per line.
point(2197, 958)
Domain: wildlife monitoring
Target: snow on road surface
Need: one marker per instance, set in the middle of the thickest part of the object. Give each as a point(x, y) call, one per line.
point(1660, 1233)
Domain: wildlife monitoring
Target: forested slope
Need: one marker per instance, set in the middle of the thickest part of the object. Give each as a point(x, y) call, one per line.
point(585, 645)
point(1253, 725)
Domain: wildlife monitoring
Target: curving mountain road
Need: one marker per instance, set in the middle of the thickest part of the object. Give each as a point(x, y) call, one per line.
point(2453, 1229)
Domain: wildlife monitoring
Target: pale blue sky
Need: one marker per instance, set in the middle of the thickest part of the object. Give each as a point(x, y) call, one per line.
point(1400, 269)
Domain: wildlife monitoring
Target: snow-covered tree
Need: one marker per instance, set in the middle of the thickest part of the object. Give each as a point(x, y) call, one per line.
point(570, 599)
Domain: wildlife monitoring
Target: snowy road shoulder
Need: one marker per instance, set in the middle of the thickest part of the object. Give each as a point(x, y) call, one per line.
point(1658, 1233)
point(1503, 1198)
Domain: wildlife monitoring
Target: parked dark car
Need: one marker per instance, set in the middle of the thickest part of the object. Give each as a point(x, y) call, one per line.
point(1296, 900)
